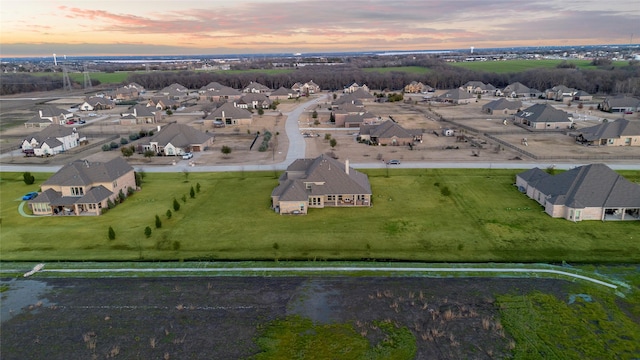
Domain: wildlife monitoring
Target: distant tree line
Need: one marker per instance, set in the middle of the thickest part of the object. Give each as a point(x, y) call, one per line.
point(605, 79)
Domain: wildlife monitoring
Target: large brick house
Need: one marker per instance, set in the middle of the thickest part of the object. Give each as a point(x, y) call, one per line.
point(84, 188)
point(318, 183)
point(590, 192)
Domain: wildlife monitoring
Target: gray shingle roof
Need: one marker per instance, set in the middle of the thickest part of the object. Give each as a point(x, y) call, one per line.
point(84, 173)
point(611, 130)
point(456, 94)
point(325, 170)
point(501, 104)
point(543, 113)
point(230, 112)
point(594, 185)
point(387, 130)
point(95, 195)
point(52, 131)
point(180, 135)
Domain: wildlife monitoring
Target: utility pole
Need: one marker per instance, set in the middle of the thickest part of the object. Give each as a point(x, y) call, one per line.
point(87, 79)
point(66, 82)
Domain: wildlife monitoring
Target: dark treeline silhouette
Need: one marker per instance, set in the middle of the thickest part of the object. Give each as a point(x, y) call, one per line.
point(605, 79)
point(618, 80)
point(21, 82)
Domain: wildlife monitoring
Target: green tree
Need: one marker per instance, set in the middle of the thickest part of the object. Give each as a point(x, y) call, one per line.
point(260, 111)
point(327, 136)
point(158, 222)
point(126, 151)
point(192, 192)
point(121, 195)
point(333, 143)
point(225, 150)
point(147, 232)
point(184, 198)
point(112, 233)
point(169, 213)
point(124, 141)
point(197, 187)
point(314, 114)
point(332, 118)
point(176, 205)
point(28, 178)
point(149, 154)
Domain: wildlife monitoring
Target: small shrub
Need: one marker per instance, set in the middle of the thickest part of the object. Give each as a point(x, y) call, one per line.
point(112, 233)
point(114, 145)
point(197, 187)
point(333, 142)
point(130, 191)
point(134, 136)
point(158, 222)
point(184, 198)
point(106, 147)
point(124, 141)
point(445, 191)
point(176, 205)
point(169, 213)
point(28, 178)
point(225, 150)
point(192, 192)
point(121, 196)
point(147, 231)
point(110, 204)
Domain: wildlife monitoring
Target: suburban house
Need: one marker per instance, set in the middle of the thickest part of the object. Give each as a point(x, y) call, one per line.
point(212, 86)
point(306, 88)
point(284, 93)
point(84, 188)
point(348, 99)
point(49, 115)
point(256, 88)
point(560, 93)
point(502, 106)
point(228, 114)
point(581, 95)
point(456, 96)
point(543, 116)
point(355, 87)
point(389, 133)
point(254, 101)
point(318, 183)
point(620, 104)
point(516, 90)
point(162, 103)
point(222, 93)
point(139, 88)
point(478, 87)
point(621, 132)
point(416, 87)
point(590, 192)
point(354, 120)
point(175, 91)
point(97, 103)
point(126, 93)
point(51, 140)
point(140, 114)
point(176, 139)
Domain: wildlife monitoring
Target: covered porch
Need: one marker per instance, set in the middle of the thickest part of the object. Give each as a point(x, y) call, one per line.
point(621, 214)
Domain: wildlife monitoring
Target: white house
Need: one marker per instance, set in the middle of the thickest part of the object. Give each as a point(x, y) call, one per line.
point(51, 140)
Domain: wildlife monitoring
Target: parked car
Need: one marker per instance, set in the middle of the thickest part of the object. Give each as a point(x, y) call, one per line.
point(70, 122)
point(393, 162)
point(187, 156)
point(29, 196)
point(82, 122)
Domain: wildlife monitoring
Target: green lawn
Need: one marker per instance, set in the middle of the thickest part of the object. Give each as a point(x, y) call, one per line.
point(483, 219)
point(515, 66)
point(104, 78)
point(406, 69)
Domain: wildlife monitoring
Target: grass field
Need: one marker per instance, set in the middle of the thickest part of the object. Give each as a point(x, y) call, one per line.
point(406, 69)
point(104, 78)
point(483, 219)
point(515, 66)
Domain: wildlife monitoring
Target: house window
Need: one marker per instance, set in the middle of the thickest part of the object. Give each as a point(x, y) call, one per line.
point(331, 198)
point(315, 201)
point(307, 186)
point(77, 191)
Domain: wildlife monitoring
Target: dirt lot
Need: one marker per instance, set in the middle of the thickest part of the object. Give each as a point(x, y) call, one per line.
point(219, 317)
point(415, 115)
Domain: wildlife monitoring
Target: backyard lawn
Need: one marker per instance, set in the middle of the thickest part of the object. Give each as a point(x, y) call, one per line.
point(419, 215)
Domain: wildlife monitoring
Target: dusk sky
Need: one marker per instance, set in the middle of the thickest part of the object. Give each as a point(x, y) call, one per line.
point(116, 27)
